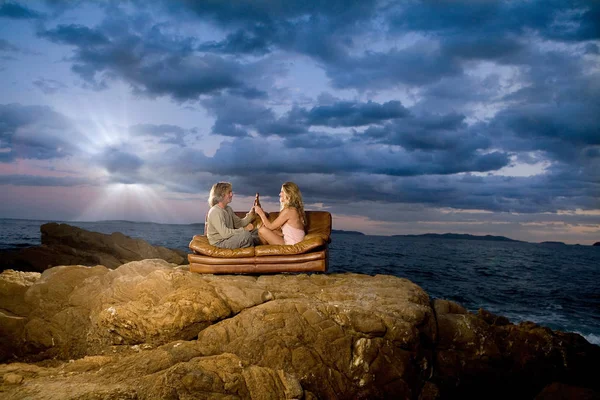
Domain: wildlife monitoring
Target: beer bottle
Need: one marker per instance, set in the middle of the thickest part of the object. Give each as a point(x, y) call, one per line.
point(256, 200)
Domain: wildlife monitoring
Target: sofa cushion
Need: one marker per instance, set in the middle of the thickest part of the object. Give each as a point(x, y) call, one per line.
point(319, 223)
point(201, 246)
point(304, 246)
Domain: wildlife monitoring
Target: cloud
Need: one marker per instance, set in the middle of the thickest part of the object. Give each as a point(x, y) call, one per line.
point(123, 166)
point(428, 132)
point(33, 180)
point(255, 40)
point(551, 20)
point(5, 46)
point(247, 12)
point(36, 132)
point(420, 64)
point(347, 113)
point(236, 117)
point(17, 11)
point(75, 35)
point(49, 86)
point(168, 134)
point(249, 157)
point(592, 48)
point(152, 60)
point(526, 195)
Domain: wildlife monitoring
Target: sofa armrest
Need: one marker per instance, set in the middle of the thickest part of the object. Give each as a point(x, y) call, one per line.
point(200, 245)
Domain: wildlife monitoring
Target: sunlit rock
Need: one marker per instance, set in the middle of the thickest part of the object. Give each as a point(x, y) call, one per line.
point(149, 330)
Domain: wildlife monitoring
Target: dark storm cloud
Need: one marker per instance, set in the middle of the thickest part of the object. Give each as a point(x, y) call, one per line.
point(17, 11)
point(265, 12)
point(347, 113)
point(417, 65)
point(34, 132)
point(320, 154)
point(236, 116)
point(556, 20)
point(578, 124)
point(430, 132)
point(75, 35)
point(564, 126)
point(253, 41)
point(313, 140)
point(158, 62)
point(491, 193)
point(145, 55)
point(327, 32)
point(33, 180)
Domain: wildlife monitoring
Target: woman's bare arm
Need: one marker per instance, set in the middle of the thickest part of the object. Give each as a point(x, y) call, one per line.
point(281, 219)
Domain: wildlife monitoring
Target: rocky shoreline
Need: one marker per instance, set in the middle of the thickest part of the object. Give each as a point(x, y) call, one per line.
point(63, 244)
point(150, 329)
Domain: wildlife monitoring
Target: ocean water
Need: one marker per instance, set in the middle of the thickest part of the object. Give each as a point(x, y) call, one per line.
point(557, 286)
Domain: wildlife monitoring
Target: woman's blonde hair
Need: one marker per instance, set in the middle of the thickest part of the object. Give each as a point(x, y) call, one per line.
point(294, 199)
point(218, 192)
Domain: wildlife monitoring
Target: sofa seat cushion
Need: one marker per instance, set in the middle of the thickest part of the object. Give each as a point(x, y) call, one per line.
point(201, 246)
point(308, 244)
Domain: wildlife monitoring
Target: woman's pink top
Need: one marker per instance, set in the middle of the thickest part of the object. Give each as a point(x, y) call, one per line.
point(292, 235)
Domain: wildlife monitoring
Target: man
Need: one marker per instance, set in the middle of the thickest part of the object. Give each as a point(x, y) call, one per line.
point(225, 229)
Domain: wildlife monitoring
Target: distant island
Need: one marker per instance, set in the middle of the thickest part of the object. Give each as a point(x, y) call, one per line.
point(554, 243)
point(341, 232)
point(462, 236)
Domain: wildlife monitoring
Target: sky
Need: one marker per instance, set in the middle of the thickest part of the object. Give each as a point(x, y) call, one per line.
point(398, 117)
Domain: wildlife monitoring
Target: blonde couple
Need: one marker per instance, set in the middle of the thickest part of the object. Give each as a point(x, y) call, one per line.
point(226, 230)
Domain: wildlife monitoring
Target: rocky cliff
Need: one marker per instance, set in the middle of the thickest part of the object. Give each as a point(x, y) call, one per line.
point(152, 330)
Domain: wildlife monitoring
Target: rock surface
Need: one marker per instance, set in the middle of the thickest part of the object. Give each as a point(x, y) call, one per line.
point(64, 244)
point(150, 330)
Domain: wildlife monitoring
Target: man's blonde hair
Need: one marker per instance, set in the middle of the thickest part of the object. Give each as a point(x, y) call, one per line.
point(218, 192)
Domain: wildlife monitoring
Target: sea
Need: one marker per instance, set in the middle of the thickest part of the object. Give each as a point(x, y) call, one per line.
point(554, 285)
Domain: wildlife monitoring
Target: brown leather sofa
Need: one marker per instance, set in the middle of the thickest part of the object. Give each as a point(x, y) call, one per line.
point(310, 255)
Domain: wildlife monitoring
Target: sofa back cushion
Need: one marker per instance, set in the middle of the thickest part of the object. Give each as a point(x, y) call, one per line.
point(318, 223)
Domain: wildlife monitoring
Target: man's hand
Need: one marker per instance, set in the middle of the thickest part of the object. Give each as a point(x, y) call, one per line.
point(249, 227)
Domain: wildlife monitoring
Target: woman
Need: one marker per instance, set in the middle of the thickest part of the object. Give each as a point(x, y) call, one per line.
point(291, 218)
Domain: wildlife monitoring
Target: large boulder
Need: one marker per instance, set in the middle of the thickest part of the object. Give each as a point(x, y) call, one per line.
point(150, 329)
point(63, 244)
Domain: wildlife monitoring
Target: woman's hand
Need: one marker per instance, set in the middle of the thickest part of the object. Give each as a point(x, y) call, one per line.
point(259, 210)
